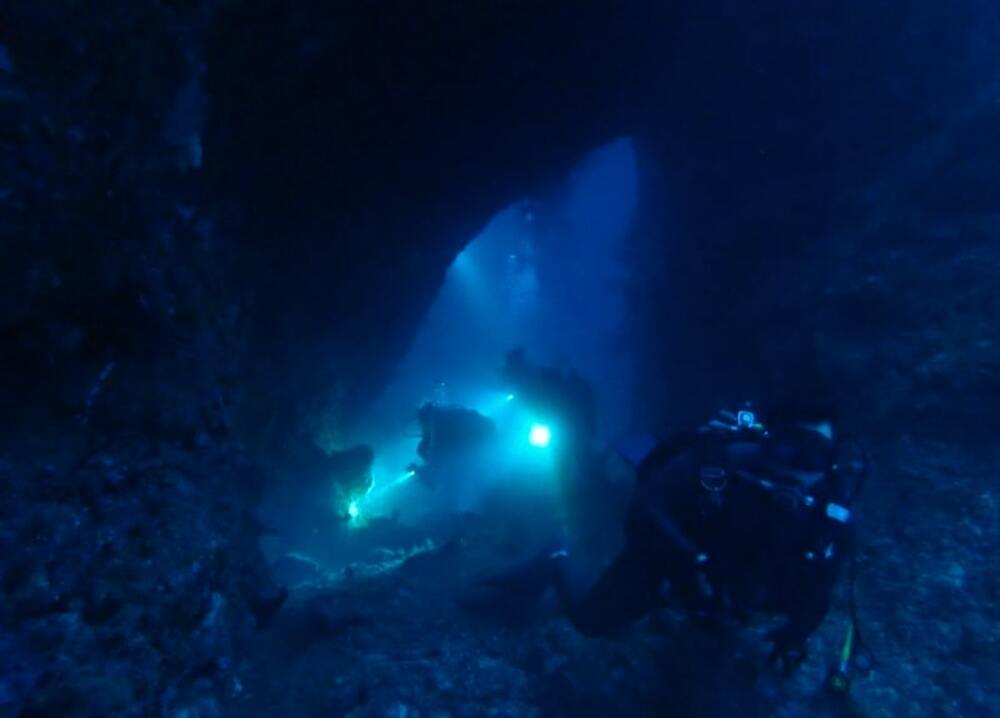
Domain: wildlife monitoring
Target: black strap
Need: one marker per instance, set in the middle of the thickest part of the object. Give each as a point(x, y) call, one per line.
point(666, 450)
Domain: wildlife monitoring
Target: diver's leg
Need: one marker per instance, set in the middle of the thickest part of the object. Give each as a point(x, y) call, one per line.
point(625, 592)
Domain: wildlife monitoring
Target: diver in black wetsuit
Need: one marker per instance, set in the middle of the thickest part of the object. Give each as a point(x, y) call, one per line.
point(563, 395)
point(450, 435)
point(726, 521)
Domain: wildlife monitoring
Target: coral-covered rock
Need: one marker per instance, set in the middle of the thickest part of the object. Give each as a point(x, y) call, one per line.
point(113, 604)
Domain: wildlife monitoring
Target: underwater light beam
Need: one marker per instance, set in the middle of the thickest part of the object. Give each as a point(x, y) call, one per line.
point(540, 436)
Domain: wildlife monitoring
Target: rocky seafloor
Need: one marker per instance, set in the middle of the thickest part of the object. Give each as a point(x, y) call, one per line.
point(411, 642)
point(118, 601)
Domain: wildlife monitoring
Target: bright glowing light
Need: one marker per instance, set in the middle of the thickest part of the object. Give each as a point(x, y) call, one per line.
point(352, 510)
point(510, 397)
point(540, 435)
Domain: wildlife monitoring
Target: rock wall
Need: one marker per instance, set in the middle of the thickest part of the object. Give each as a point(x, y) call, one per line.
point(823, 180)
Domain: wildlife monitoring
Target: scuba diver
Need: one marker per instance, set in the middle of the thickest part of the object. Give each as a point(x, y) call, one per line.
point(563, 395)
point(567, 399)
point(451, 437)
point(733, 519)
point(351, 470)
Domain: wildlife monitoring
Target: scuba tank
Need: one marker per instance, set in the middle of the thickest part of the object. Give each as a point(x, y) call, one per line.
point(647, 453)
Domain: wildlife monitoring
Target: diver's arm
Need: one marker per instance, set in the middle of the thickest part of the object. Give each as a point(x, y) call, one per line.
point(657, 528)
point(669, 530)
point(661, 497)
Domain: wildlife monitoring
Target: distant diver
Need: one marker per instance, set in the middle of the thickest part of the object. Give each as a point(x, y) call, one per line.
point(451, 437)
point(729, 520)
point(565, 396)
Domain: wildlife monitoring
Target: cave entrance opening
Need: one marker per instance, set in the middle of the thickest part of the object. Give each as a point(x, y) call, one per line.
point(547, 275)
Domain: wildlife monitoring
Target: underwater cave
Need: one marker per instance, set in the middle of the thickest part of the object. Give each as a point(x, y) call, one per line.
point(431, 359)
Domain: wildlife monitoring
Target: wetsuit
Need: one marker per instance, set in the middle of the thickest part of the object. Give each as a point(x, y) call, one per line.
point(716, 528)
